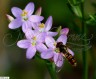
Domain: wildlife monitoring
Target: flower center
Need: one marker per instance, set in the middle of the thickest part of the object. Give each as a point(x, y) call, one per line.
point(42, 25)
point(24, 15)
point(34, 38)
point(33, 41)
point(55, 44)
point(57, 50)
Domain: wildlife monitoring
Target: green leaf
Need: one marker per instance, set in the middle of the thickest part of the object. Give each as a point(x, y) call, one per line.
point(91, 20)
point(58, 30)
point(75, 8)
point(77, 11)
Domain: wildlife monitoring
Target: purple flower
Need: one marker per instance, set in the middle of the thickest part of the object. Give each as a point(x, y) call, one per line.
point(54, 52)
point(32, 43)
point(24, 17)
point(45, 28)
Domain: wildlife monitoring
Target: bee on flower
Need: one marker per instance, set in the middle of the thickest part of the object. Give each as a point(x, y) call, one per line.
point(39, 37)
point(57, 50)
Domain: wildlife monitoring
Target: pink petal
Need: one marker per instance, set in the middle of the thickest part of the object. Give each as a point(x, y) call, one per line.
point(23, 44)
point(56, 56)
point(41, 47)
point(50, 42)
point(47, 55)
point(16, 11)
point(48, 23)
point(52, 33)
point(70, 51)
point(65, 31)
point(58, 59)
point(36, 18)
point(16, 23)
point(29, 8)
point(41, 37)
point(35, 25)
point(31, 51)
point(29, 34)
point(62, 38)
point(26, 25)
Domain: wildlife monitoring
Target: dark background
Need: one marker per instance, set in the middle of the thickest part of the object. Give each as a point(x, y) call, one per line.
point(13, 62)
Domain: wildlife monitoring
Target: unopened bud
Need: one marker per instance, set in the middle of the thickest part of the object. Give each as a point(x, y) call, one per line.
point(10, 18)
point(65, 31)
point(39, 10)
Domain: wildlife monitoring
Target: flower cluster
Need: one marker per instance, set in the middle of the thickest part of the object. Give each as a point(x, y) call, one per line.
point(38, 36)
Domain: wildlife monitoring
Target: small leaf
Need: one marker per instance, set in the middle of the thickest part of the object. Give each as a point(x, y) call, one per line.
point(91, 20)
point(92, 17)
point(75, 8)
point(59, 29)
point(77, 11)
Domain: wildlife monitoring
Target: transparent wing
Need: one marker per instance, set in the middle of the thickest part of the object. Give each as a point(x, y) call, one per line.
point(58, 69)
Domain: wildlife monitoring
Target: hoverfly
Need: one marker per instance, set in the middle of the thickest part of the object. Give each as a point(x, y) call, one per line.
point(64, 50)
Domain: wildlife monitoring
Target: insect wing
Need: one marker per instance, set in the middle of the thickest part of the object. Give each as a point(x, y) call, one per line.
point(58, 69)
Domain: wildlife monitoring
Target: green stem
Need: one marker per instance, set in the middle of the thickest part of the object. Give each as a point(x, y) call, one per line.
point(74, 1)
point(52, 70)
point(84, 53)
point(94, 62)
point(95, 71)
point(50, 66)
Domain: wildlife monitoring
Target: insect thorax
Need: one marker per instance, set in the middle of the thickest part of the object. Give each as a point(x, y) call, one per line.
point(61, 47)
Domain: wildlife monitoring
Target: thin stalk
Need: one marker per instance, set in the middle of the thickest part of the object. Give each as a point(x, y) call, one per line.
point(52, 70)
point(50, 66)
point(94, 62)
point(95, 71)
point(74, 1)
point(84, 53)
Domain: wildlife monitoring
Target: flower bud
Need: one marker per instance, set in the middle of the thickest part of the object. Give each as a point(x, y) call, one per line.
point(10, 18)
point(39, 10)
point(65, 31)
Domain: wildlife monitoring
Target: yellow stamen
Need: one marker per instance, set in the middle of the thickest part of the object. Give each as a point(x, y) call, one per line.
point(57, 50)
point(55, 44)
point(42, 25)
point(33, 43)
point(34, 38)
point(24, 13)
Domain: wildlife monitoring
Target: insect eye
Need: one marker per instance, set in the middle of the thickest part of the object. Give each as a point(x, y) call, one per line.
point(59, 44)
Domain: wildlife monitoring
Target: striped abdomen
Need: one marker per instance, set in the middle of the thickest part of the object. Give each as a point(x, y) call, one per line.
point(70, 58)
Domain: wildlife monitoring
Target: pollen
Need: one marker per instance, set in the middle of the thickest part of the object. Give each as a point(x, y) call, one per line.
point(42, 25)
point(57, 50)
point(55, 44)
point(34, 38)
point(33, 43)
point(24, 13)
